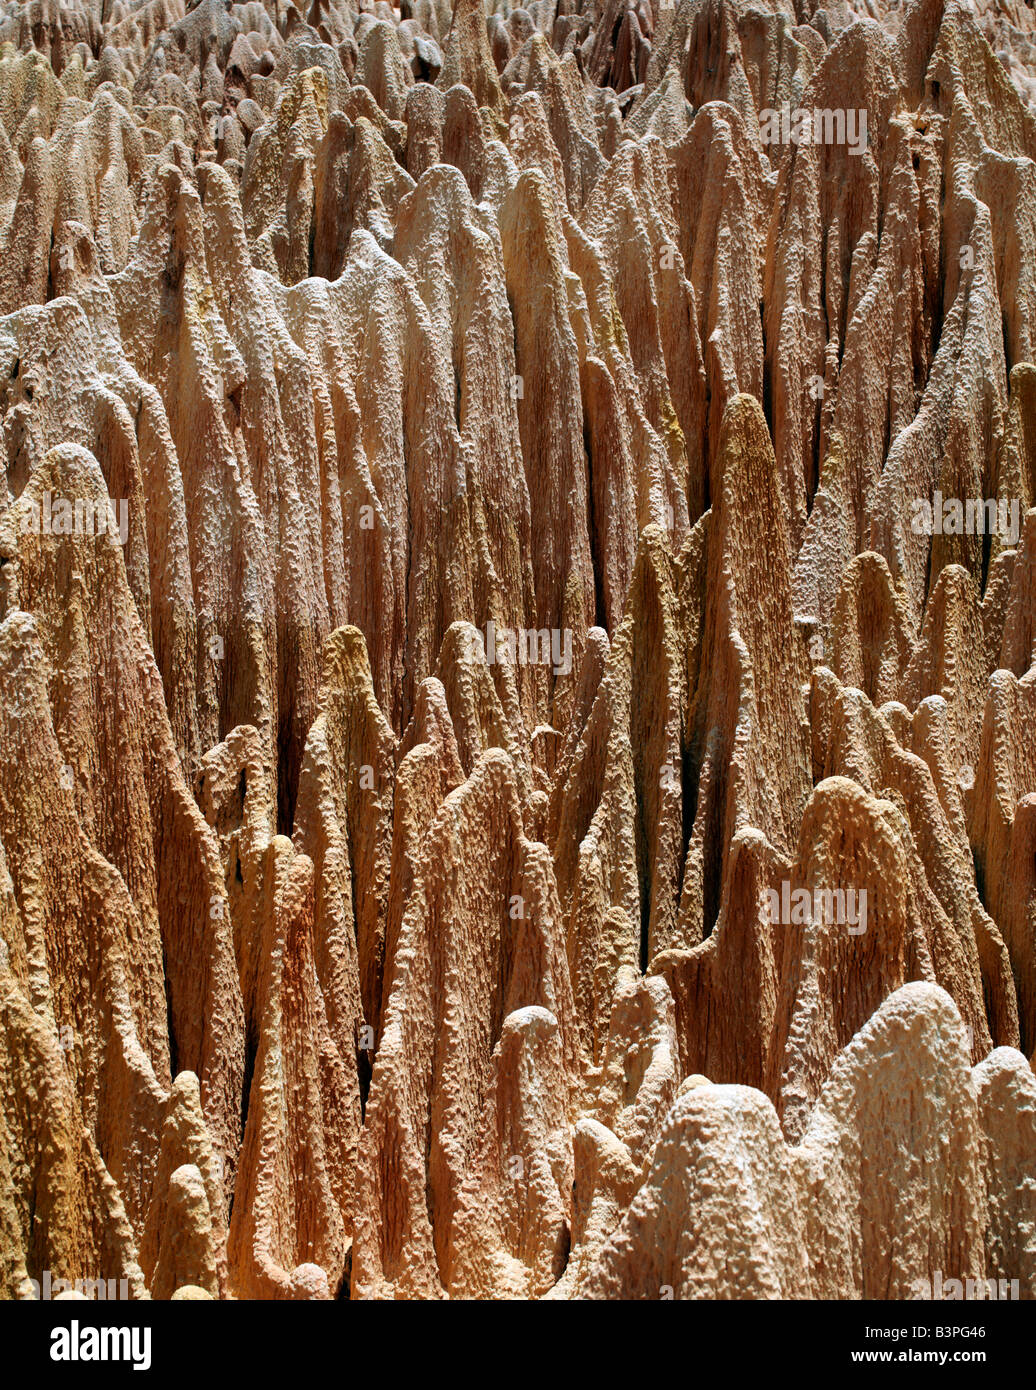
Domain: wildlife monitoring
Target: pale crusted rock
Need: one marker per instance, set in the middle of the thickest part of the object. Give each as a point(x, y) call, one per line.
point(719, 1215)
point(1007, 1113)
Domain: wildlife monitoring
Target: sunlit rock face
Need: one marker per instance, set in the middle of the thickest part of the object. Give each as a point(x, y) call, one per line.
point(517, 648)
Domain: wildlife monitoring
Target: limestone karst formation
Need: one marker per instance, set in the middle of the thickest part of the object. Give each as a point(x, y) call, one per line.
point(517, 648)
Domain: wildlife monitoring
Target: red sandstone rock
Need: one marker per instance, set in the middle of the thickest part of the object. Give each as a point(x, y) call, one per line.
point(429, 803)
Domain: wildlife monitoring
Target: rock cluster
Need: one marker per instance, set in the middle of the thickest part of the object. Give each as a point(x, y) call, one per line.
point(500, 797)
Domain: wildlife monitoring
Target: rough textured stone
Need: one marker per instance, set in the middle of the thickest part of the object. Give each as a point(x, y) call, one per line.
point(431, 800)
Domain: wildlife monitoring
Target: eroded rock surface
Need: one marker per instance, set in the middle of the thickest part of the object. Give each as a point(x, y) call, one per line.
point(518, 648)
